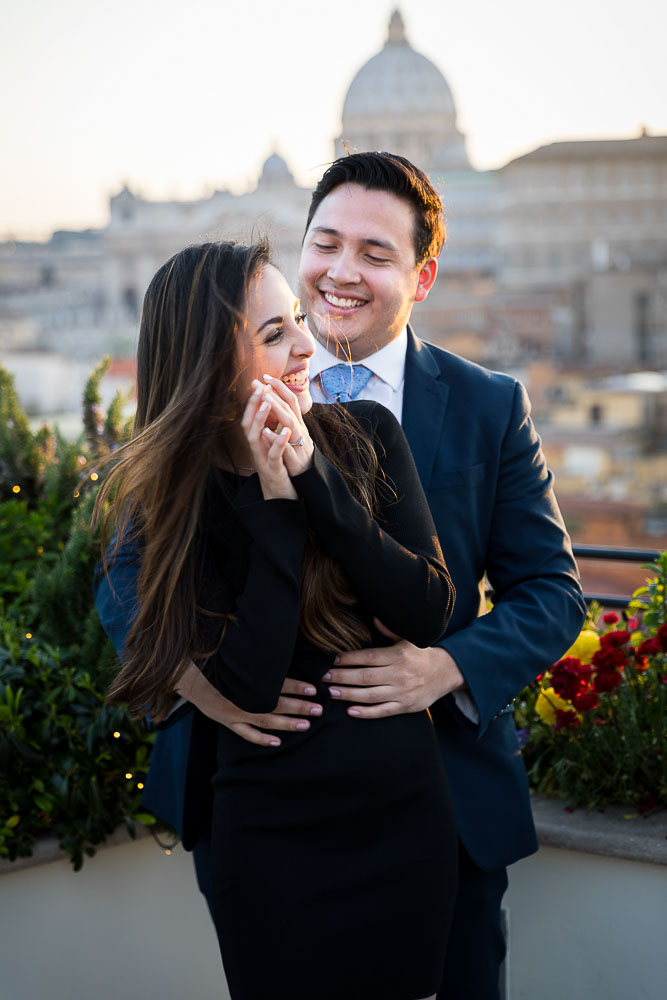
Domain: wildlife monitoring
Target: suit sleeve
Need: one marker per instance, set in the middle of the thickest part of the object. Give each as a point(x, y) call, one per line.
point(116, 594)
point(394, 564)
point(538, 607)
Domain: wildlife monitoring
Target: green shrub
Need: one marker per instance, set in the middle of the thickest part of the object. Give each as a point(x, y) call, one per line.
point(70, 765)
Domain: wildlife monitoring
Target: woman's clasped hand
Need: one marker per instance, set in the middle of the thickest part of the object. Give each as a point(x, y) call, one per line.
point(277, 436)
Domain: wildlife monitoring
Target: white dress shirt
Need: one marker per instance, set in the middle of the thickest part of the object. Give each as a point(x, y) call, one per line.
point(384, 386)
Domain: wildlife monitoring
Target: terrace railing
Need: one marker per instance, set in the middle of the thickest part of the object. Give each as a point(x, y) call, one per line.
point(610, 554)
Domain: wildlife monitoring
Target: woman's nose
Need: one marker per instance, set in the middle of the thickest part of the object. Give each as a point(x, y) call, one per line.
point(306, 342)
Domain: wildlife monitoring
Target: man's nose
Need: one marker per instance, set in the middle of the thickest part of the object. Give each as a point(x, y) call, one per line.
point(343, 268)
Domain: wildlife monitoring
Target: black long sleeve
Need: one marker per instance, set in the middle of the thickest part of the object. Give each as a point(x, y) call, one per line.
point(257, 646)
point(396, 567)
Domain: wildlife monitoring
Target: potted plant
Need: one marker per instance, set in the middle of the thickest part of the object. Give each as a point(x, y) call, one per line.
point(70, 766)
point(594, 726)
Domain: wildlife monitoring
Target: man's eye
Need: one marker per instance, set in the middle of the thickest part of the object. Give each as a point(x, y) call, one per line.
point(324, 246)
point(377, 260)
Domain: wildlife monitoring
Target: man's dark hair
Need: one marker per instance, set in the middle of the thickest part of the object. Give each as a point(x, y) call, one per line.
point(393, 173)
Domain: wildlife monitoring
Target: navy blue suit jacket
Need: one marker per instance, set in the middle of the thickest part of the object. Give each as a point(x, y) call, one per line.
point(491, 495)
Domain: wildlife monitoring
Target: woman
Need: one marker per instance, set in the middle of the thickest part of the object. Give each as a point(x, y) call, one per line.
point(274, 534)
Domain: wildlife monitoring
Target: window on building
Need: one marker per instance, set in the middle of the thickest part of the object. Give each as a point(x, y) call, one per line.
point(131, 302)
point(642, 327)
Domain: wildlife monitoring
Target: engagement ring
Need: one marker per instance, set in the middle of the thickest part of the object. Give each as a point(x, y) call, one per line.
point(298, 444)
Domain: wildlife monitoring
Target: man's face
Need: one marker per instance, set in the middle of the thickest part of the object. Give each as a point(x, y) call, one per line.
point(358, 274)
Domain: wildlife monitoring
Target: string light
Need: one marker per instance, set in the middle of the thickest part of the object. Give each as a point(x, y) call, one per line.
point(167, 851)
point(28, 635)
point(16, 489)
point(94, 476)
point(76, 493)
point(140, 785)
point(128, 775)
point(116, 735)
point(81, 459)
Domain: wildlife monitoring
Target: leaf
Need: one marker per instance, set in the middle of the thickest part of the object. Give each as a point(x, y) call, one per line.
point(147, 819)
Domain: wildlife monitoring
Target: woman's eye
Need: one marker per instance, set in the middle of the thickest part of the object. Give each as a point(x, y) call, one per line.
point(274, 337)
point(300, 318)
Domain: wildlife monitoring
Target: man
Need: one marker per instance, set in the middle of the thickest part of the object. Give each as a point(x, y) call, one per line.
point(373, 236)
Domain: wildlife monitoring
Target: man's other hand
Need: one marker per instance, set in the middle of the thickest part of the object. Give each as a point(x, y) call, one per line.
point(393, 680)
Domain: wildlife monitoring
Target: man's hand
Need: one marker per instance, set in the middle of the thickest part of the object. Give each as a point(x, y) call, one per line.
point(194, 687)
point(393, 680)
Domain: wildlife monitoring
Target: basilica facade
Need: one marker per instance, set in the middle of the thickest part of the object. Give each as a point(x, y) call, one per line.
point(559, 254)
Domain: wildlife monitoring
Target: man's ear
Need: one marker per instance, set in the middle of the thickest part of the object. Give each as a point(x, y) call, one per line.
point(428, 272)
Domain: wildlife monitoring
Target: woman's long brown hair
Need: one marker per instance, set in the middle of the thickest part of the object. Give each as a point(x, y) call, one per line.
point(187, 369)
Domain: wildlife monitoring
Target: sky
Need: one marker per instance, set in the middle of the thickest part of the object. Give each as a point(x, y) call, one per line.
point(177, 99)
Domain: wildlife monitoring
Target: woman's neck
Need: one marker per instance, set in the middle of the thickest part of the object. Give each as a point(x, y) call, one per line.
point(234, 455)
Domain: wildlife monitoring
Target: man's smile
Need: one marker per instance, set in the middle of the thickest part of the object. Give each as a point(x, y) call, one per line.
point(342, 303)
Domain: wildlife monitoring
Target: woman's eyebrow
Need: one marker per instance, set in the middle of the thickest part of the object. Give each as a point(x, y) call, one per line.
point(269, 322)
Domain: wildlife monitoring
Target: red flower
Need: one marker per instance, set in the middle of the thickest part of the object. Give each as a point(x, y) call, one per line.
point(662, 637)
point(569, 677)
point(566, 720)
point(610, 618)
point(607, 680)
point(632, 624)
point(618, 638)
point(646, 648)
point(611, 658)
point(585, 701)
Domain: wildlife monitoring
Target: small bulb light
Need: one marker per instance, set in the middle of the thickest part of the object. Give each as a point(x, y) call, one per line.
point(116, 735)
point(94, 476)
point(16, 489)
point(128, 775)
point(140, 785)
point(28, 635)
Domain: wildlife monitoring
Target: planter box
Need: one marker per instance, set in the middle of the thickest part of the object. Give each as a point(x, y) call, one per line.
point(131, 923)
point(586, 914)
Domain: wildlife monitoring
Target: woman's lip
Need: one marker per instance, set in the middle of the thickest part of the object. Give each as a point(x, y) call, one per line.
point(299, 386)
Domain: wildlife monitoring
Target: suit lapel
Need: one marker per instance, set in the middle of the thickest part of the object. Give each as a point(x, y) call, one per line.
point(424, 404)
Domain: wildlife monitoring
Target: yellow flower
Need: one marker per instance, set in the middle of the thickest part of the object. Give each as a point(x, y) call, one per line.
point(547, 703)
point(585, 646)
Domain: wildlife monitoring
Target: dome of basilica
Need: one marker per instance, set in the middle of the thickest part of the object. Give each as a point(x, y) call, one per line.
point(398, 80)
point(400, 101)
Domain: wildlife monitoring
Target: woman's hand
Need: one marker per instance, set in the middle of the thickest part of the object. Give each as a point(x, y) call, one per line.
point(285, 406)
point(290, 714)
point(267, 446)
point(275, 451)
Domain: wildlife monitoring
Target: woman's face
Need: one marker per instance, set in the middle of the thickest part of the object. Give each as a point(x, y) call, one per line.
point(276, 340)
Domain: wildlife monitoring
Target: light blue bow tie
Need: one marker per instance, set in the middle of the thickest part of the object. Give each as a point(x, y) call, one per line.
point(344, 382)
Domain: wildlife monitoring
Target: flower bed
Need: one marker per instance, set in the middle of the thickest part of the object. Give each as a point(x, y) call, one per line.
point(594, 726)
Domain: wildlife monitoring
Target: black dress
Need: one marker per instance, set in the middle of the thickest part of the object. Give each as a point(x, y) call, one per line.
point(334, 854)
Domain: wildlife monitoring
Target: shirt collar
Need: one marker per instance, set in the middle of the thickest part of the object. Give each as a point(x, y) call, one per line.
point(388, 363)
